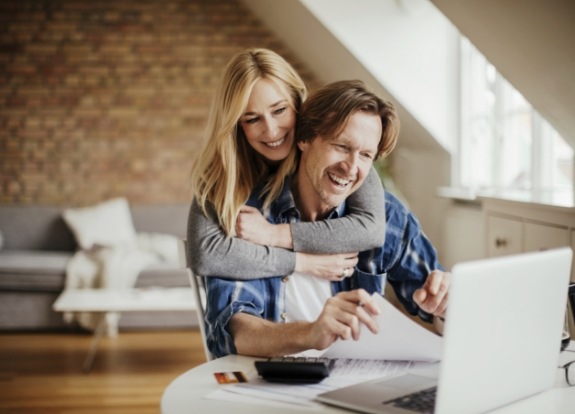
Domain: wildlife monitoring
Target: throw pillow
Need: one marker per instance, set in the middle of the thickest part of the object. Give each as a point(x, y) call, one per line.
point(161, 244)
point(106, 224)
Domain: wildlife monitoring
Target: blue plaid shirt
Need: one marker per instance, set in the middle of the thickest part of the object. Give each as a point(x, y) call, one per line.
point(405, 260)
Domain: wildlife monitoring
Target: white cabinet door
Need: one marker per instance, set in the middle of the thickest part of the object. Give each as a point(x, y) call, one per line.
point(504, 236)
point(543, 237)
point(464, 237)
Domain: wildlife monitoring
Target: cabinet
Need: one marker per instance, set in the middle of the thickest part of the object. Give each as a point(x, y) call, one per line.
point(515, 227)
point(512, 235)
point(504, 235)
point(463, 235)
point(491, 225)
point(544, 236)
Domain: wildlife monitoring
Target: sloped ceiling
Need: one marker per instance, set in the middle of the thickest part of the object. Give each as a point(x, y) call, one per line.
point(330, 60)
point(532, 44)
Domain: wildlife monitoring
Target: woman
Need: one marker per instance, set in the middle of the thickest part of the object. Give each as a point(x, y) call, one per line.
point(249, 150)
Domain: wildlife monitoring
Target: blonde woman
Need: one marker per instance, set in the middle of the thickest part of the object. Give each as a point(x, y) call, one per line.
point(249, 149)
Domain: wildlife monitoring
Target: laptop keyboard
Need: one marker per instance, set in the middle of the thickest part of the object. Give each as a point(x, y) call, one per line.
point(420, 402)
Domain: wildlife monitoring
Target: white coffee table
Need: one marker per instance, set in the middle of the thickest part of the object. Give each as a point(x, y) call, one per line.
point(124, 300)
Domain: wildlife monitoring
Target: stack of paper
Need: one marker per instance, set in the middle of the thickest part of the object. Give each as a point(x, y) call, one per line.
point(399, 342)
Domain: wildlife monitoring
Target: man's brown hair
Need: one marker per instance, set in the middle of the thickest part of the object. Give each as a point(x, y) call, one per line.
point(327, 110)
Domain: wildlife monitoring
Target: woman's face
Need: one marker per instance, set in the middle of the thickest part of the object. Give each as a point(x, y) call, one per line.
point(269, 121)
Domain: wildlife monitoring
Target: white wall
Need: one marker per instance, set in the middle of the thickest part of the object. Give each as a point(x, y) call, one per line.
point(407, 46)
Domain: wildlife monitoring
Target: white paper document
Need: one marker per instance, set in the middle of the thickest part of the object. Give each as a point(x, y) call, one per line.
point(345, 372)
point(399, 338)
point(399, 341)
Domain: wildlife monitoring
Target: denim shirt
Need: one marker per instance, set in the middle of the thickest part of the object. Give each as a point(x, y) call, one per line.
point(405, 261)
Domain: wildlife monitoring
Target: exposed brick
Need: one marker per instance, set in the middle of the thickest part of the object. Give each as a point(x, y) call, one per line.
point(61, 26)
point(13, 188)
point(115, 49)
point(41, 49)
point(22, 69)
point(105, 99)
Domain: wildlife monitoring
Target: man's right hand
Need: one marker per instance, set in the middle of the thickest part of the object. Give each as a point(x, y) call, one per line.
point(326, 266)
point(342, 317)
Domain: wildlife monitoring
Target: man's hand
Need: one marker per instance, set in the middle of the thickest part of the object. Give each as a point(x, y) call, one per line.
point(252, 226)
point(342, 317)
point(331, 267)
point(432, 297)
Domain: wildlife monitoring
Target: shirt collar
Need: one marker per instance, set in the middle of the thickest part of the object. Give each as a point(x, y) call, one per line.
point(284, 204)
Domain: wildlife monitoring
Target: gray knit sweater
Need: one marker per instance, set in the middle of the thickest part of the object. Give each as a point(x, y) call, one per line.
point(214, 254)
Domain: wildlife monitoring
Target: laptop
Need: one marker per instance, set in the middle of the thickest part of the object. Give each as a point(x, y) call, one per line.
point(502, 340)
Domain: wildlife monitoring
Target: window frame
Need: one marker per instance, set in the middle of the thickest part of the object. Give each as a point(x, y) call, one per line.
point(540, 167)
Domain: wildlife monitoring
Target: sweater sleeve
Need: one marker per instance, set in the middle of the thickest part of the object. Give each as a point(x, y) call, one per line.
point(213, 254)
point(362, 229)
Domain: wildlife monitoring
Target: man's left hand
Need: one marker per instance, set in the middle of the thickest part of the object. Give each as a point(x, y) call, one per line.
point(432, 297)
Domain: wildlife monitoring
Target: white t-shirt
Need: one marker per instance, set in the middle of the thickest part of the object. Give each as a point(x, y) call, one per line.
point(305, 297)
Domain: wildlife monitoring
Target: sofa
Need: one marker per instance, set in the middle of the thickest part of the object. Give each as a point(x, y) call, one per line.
point(36, 245)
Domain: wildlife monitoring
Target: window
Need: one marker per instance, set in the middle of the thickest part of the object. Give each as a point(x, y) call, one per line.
point(505, 144)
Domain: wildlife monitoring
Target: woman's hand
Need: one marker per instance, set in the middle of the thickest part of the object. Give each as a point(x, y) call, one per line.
point(252, 226)
point(331, 267)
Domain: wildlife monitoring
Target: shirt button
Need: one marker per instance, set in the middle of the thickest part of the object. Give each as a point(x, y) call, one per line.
point(284, 316)
point(285, 279)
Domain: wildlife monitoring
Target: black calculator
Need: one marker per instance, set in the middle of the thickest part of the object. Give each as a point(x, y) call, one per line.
point(301, 370)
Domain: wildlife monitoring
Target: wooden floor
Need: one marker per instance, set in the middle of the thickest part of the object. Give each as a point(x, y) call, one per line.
point(42, 373)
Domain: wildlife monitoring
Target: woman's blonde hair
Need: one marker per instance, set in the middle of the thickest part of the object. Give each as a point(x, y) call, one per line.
point(227, 168)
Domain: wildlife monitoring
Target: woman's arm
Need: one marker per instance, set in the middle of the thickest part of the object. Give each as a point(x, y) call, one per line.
point(214, 254)
point(362, 229)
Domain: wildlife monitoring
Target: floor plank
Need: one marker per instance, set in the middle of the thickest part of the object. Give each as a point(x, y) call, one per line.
point(42, 372)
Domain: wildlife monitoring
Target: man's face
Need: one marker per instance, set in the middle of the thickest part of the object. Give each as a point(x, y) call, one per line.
point(331, 168)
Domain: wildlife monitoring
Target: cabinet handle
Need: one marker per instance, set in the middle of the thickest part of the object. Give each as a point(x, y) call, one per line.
point(500, 242)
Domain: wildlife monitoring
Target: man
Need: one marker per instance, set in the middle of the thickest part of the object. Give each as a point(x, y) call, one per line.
point(343, 129)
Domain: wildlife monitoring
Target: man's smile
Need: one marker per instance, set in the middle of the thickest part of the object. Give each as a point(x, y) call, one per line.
point(342, 182)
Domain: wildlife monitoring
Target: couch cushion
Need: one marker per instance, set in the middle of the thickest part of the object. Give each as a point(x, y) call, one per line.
point(35, 228)
point(105, 224)
point(33, 270)
point(30, 311)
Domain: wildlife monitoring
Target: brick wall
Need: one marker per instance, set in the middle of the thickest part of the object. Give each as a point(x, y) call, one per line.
point(109, 98)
